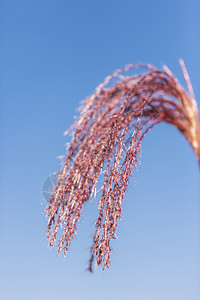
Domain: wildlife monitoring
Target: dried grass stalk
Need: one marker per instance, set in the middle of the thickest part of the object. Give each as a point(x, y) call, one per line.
point(109, 118)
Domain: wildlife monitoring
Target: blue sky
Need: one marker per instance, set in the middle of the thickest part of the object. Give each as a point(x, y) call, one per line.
point(53, 54)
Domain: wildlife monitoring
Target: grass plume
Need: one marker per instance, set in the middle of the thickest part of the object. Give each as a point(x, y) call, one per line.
point(106, 142)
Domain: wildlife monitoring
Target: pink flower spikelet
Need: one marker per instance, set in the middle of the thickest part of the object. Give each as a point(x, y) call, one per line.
point(106, 142)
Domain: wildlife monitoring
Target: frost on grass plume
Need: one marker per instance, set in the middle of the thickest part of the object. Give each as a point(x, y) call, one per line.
point(106, 142)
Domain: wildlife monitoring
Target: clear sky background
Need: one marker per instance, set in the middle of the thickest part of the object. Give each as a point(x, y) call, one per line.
point(52, 55)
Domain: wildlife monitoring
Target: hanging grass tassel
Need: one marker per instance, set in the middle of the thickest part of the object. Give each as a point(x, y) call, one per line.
point(106, 142)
